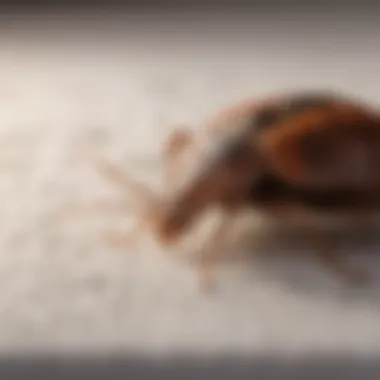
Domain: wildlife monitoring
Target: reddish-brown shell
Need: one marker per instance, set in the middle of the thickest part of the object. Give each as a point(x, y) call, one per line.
point(333, 147)
point(317, 141)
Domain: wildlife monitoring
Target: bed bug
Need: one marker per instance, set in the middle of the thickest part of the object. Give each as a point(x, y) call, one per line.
point(311, 155)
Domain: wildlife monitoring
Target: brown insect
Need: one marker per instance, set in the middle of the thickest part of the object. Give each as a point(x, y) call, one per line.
point(306, 155)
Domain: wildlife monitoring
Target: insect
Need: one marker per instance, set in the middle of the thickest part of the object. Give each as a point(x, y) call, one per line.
point(310, 155)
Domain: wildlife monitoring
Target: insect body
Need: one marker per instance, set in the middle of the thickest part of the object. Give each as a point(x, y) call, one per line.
point(301, 155)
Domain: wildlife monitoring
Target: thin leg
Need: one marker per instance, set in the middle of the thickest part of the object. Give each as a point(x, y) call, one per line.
point(120, 178)
point(211, 254)
point(142, 196)
point(326, 253)
point(176, 145)
point(177, 141)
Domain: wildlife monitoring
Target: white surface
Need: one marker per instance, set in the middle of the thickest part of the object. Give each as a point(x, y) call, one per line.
point(67, 85)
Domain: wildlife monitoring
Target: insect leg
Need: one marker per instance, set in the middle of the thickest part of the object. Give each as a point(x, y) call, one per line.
point(177, 141)
point(176, 145)
point(141, 192)
point(142, 199)
point(119, 177)
point(326, 253)
point(211, 253)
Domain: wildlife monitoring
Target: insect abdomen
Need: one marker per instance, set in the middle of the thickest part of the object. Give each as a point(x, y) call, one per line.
point(272, 115)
